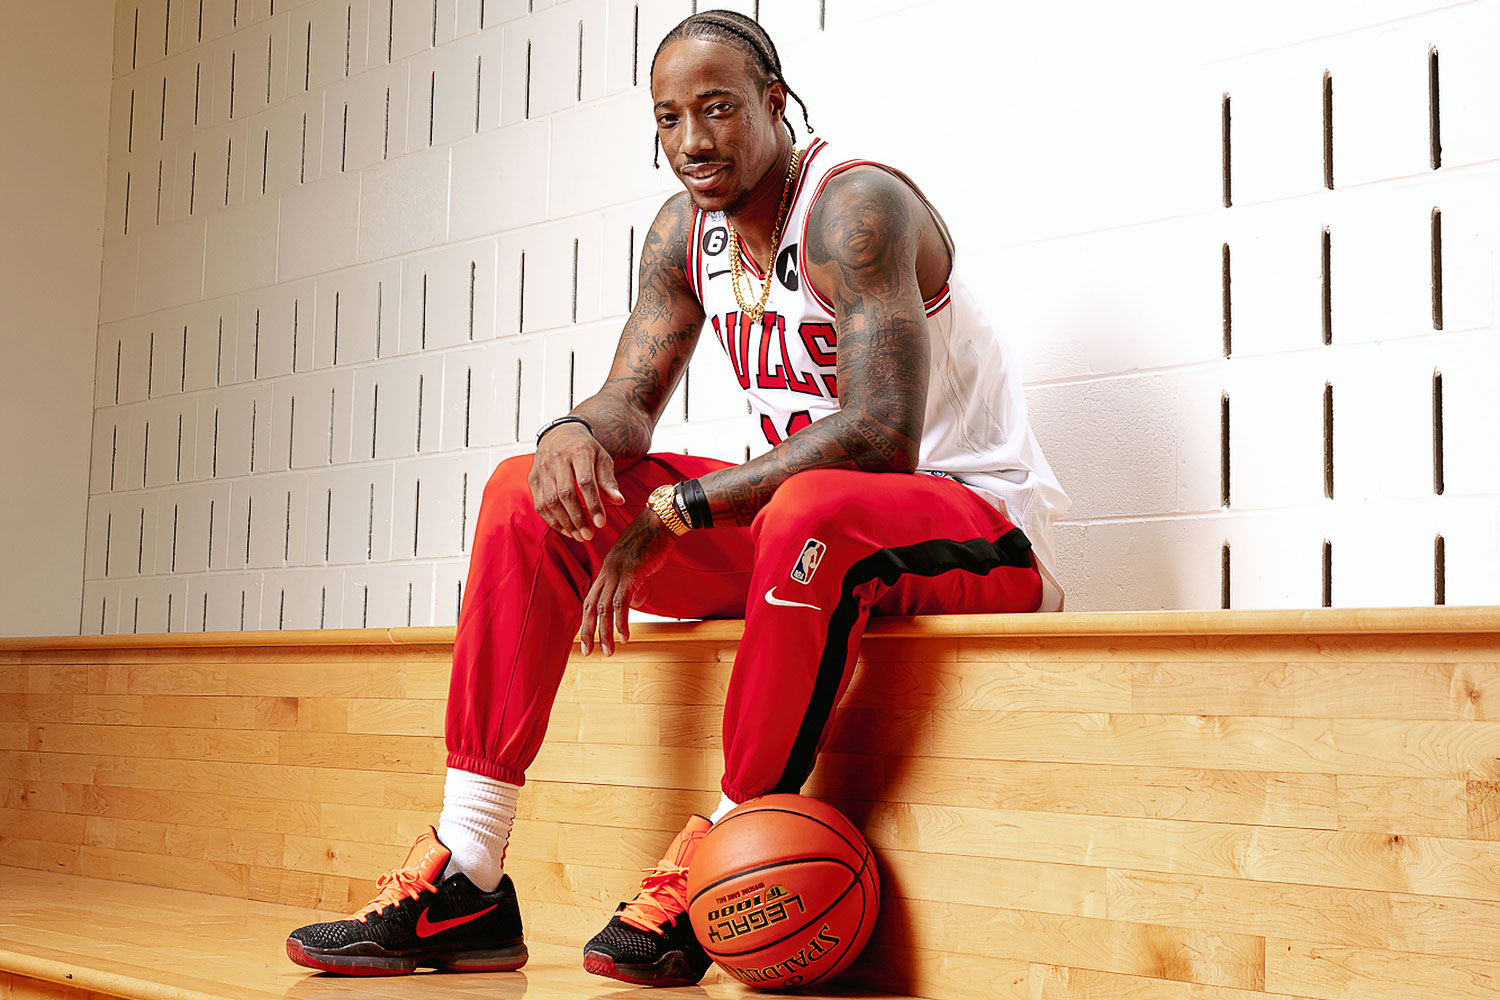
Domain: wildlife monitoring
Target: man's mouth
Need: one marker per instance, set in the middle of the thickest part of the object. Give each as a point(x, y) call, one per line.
point(703, 176)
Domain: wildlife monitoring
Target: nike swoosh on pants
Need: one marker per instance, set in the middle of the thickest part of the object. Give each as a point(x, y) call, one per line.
point(771, 598)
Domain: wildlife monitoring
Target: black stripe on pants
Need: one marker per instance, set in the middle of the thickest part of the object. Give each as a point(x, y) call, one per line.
point(931, 558)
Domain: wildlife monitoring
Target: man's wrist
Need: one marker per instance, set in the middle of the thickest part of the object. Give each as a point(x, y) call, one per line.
point(662, 503)
point(560, 421)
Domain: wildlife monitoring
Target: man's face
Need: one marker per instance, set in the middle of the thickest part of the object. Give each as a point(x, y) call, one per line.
point(717, 126)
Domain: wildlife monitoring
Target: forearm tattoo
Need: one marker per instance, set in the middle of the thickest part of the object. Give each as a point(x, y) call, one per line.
point(861, 246)
point(655, 344)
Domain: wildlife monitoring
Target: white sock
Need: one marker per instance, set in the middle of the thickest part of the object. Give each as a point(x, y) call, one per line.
point(475, 825)
point(724, 806)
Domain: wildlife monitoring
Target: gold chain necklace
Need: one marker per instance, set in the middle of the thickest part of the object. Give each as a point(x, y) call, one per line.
point(737, 269)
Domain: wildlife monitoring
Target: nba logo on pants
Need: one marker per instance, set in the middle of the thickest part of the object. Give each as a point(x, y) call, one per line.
point(807, 562)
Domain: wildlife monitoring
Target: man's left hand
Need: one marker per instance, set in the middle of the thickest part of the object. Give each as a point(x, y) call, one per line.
point(623, 581)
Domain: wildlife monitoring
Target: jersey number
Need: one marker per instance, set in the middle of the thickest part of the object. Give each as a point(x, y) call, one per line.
point(794, 423)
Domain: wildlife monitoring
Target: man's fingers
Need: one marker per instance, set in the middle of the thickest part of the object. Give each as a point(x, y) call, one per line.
point(606, 472)
point(583, 472)
point(590, 616)
point(622, 616)
point(571, 514)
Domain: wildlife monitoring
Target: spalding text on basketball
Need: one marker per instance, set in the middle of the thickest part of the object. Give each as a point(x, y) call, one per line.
point(778, 974)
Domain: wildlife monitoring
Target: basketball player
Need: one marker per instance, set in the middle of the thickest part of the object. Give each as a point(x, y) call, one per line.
point(903, 478)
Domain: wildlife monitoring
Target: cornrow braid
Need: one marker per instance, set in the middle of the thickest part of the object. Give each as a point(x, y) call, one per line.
point(744, 33)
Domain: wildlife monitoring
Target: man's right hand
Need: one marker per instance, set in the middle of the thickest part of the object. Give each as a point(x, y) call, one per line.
point(569, 463)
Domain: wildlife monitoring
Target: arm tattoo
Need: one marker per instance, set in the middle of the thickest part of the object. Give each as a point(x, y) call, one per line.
point(655, 344)
point(861, 247)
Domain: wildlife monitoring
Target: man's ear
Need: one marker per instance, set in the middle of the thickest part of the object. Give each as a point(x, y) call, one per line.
point(776, 100)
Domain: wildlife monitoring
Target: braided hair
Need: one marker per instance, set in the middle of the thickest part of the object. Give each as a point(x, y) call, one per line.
point(732, 28)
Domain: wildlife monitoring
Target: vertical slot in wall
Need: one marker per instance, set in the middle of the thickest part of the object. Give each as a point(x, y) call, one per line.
point(1327, 285)
point(1224, 595)
point(1437, 268)
point(1434, 116)
point(1228, 302)
point(1224, 450)
point(1437, 433)
point(1327, 573)
point(1328, 130)
point(1328, 440)
point(1225, 147)
point(1439, 571)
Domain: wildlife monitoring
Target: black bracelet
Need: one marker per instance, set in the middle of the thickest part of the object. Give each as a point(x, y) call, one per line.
point(559, 422)
point(681, 506)
point(695, 502)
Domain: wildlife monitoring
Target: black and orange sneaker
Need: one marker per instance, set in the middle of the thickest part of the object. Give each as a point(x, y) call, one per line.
point(649, 942)
point(419, 919)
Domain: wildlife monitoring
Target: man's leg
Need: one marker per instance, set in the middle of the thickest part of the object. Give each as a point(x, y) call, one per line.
point(829, 546)
point(520, 615)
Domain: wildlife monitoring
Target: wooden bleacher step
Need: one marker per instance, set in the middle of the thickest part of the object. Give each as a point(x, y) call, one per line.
point(1167, 806)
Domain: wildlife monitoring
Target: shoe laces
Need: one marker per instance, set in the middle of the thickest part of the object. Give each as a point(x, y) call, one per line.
point(663, 897)
point(403, 883)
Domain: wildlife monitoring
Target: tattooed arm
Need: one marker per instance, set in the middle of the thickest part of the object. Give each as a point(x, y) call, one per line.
point(861, 249)
point(654, 348)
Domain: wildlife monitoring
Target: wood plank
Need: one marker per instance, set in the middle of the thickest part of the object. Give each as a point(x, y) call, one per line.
point(1482, 801)
point(229, 812)
point(1434, 621)
point(1065, 890)
point(194, 874)
point(229, 712)
point(1357, 918)
point(1358, 689)
point(1422, 865)
point(1465, 750)
point(37, 824)
point(147, 741)
point(1089, 686)
point(177, 840)
point(1243, 797)
point(1340, 973)
point(337, 679)
point(1150, 950)
point(1051, 982)
point(92, 709)
point(358, 751)
point(1437, 808)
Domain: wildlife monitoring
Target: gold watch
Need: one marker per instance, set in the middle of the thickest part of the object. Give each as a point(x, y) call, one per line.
point(664, 506)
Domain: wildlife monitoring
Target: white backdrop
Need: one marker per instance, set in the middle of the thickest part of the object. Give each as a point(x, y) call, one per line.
point(358, 250)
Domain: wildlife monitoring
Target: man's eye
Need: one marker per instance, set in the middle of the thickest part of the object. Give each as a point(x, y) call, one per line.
point(666, 121)
point(721, 109)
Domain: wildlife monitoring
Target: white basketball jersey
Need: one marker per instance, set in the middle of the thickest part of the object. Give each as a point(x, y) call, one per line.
point(976, 430)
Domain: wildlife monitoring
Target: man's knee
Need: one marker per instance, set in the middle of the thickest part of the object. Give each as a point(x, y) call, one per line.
point(507, 494)
point(819, 499)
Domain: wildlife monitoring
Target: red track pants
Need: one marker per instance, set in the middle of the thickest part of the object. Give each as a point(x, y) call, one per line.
point(831, 547)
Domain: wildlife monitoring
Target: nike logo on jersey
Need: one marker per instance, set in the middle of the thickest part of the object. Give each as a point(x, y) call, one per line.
point(771, 598)
point(427, 928)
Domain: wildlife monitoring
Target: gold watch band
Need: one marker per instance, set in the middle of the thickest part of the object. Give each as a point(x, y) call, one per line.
point(662, 505)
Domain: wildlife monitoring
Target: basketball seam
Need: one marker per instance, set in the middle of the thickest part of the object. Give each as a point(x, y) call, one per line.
point(772, 864)
point(806, 924)
point(793, 812)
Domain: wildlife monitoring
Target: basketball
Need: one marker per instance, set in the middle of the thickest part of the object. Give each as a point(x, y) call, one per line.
point(783, 892)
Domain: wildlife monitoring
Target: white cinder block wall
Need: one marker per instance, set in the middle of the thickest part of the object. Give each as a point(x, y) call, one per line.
point(358, 250)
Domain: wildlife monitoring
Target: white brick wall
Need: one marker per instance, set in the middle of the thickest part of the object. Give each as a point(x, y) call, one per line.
point(328, 216)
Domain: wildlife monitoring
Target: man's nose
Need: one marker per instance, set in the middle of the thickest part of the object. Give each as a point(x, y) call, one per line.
point(697, 139)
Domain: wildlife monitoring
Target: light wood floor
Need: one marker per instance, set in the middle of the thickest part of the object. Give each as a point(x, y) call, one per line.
point(122, 940)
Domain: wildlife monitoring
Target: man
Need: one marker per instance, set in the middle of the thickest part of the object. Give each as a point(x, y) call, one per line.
point(829, 281)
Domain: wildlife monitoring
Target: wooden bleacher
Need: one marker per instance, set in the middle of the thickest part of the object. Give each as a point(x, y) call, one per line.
point(1184, 806)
